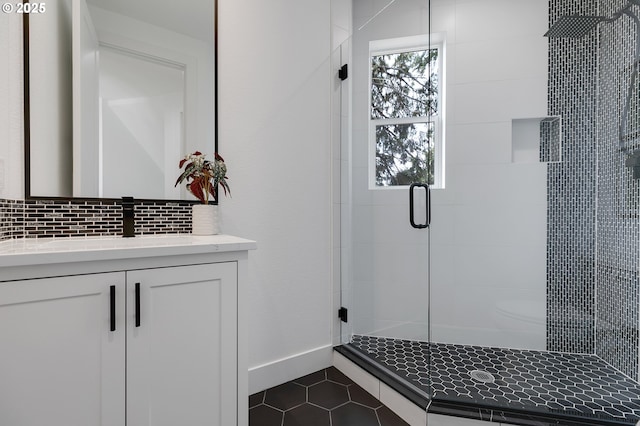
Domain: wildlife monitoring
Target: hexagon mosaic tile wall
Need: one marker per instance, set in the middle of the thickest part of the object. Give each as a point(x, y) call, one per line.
point(324, 398)
point(545, 382)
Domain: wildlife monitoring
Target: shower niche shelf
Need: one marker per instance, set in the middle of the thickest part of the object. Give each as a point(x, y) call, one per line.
point(536, 140)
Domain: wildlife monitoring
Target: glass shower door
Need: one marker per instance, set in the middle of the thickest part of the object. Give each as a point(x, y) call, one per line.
point(389, 294)
point(387, 146)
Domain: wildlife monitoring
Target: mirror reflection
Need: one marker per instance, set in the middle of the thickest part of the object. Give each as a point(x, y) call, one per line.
point(120, 91)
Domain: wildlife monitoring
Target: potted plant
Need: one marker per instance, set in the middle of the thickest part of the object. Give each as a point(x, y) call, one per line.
point(203, 179)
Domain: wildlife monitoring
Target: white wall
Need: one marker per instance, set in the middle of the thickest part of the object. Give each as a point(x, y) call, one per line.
point(274, 123)
point(11, 122)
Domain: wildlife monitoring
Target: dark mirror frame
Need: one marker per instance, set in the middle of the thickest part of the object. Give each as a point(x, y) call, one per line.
point(27, 118)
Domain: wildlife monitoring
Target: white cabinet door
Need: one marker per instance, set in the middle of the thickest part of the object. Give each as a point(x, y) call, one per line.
point(179, 371)
point(60, 363)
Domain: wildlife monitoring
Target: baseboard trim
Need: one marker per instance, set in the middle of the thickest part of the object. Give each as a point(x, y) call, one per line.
point(283, 370)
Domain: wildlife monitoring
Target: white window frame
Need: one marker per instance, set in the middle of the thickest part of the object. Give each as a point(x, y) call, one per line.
point(399, 45)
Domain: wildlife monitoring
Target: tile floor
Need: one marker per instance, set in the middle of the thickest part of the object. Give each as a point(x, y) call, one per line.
point(324, 398)
point(533, 381)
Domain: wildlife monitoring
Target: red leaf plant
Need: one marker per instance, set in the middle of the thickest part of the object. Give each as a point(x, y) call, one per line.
point(204, 176)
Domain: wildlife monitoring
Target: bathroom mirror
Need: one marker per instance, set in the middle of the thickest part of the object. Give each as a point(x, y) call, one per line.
point(117, 92)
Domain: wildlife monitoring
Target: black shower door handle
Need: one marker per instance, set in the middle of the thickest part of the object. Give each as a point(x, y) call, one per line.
point(427, 219)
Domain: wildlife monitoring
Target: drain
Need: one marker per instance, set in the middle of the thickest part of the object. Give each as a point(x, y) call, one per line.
point(482, 376)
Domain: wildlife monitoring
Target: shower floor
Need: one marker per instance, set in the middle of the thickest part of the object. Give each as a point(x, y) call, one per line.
point(556, 385)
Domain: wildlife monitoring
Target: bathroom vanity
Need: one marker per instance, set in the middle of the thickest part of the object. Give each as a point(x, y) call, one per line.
point(113, 331)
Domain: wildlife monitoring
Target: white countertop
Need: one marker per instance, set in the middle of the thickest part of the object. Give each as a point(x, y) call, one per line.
point(40, 251)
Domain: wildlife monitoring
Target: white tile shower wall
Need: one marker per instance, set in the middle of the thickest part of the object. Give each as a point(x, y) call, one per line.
point(488, 228)
point(618, 224)
point(475, 64)
point(488, 20)
point(572, 187)
point(498, 101)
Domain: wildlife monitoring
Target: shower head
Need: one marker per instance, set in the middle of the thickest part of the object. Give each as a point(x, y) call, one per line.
point(573, 26)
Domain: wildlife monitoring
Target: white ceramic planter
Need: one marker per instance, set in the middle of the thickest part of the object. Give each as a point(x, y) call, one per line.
point(205, 220)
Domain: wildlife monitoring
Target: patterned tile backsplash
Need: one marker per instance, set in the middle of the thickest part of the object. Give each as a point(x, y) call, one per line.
point(6, 216)
point(54, 218)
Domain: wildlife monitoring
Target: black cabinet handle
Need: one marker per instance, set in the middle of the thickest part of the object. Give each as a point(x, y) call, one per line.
point(428, 209)
point(112, 309)
point(137, 304)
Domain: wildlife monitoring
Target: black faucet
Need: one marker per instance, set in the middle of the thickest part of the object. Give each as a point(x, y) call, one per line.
point(128, 227)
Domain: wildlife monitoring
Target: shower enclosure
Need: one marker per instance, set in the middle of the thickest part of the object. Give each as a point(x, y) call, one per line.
point(490, 231)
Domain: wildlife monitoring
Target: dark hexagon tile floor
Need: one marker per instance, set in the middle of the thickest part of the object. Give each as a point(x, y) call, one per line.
point(324, 398)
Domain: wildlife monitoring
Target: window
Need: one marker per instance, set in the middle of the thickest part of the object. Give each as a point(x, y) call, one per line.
point(405, 121)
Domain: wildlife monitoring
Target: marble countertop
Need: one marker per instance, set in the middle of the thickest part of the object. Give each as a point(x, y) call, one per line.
point(32, 251)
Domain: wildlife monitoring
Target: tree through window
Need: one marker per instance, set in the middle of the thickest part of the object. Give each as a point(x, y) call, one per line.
point(404, 115)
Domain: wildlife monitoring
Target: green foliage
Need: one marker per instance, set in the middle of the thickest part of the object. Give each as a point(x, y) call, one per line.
point(404, 154)
point(404, 85)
